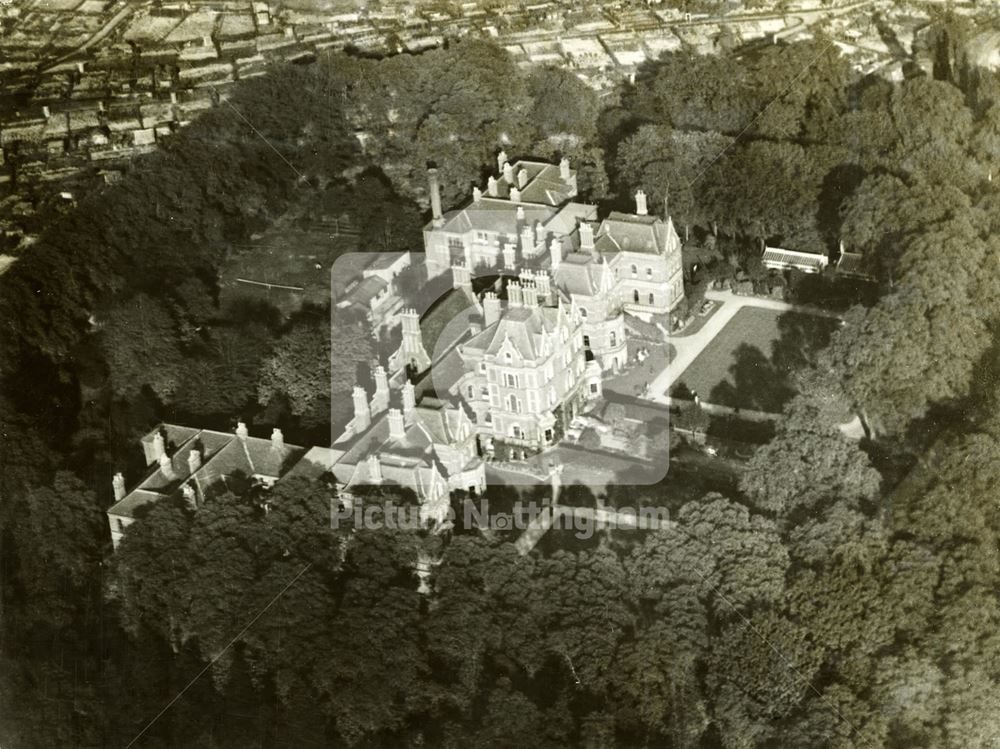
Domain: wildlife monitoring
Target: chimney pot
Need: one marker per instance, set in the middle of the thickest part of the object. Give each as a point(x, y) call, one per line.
point(435, 190)
point(118, 484)
point(640, 203)
point(374, 469)
point(396, 428)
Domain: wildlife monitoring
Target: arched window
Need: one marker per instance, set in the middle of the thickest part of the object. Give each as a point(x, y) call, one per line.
point(635, 271)
point(583, 311)
point(472, 392)
point(649, 272)
point(515, 432)
point(635, 296)
point(614, 339)
point(489, 418)
point(651, 297)
point(586, 341)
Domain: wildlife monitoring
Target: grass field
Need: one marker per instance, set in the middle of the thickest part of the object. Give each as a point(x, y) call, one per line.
point(750, 362)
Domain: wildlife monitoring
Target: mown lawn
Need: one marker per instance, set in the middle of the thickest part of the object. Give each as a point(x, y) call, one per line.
point(750, 362)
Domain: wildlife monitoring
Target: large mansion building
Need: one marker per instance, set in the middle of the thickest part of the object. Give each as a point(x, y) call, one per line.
point(530, 353)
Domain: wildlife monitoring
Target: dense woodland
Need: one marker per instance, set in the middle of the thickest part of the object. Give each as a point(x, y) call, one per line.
point(845, 595)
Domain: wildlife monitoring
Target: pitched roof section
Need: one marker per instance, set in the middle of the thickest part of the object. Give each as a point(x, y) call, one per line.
point(626, 232)
point(579, 274)
point(494, 215)
point(523, 327)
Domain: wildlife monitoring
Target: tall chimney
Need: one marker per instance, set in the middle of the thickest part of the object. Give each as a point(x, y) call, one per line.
point(509, 256)
point(118, 484)
point(640, 203)
point(190, 495)
point(277, 439)
point(586, 237)
point(477, 194)
point(435, 188)
point(374, 469)
point(522, 178)
point(158, 446)
point(194, 461)
point(491, 308)
point(409, 398)
point(514, 296)
point(381, 397)
point(555, 252)
point(508, 173)
point(362, 412)
point(564, 169)
point(241, 430)
point(167, 467)
point(539, 233)
point(527, 241)
point(529, 294)
point(396, 428)
point(501, 160)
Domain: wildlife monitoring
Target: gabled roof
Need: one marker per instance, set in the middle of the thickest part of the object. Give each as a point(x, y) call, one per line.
point(523, 328)
point(582, 275)
point(545, 184)
point(626, 232)
point(495, 215)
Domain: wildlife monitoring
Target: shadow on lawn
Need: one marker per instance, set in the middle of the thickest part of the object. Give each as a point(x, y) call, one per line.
point(763, 383)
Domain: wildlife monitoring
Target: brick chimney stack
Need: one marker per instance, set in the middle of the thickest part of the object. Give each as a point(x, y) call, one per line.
point(640, 203)
point(522, 178)
point(491, 186)
point(508, 173)
point(555, 252)
point(241, 431)
point(362, 412)
point(501, 160)
point(586, 237)
point(118, 484)
point(158, 446)
point(396, 428)
point(277, 439)
point(435, 189)
point(564, 169)
point(194, 461)
point(167, 467)
point(491, 308)
point(515, 195)
point(409, 399)
point(374, 469)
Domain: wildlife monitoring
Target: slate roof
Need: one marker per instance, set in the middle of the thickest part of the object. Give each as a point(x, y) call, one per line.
point(579, 274)
point(493, 215)
point(524, 327)
point(626, 232)
point(222, 455)
point(544, 185)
